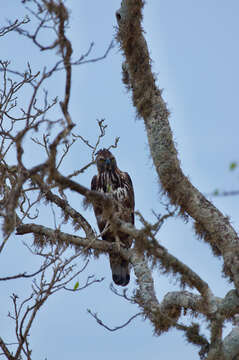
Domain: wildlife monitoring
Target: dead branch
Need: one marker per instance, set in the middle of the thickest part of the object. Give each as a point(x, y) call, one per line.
point(13, 26)
point(100, 322)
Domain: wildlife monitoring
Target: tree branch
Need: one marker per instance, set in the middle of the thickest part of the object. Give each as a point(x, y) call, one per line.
point(100, 322)
point(210, 223)
point(44, 235)
point(64, 205)
point(230, 345)
point(5, 350)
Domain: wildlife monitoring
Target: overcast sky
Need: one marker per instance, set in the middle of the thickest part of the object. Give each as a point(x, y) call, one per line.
point(194, 48)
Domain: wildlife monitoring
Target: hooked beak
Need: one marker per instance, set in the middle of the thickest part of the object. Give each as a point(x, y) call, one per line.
point(107, 162)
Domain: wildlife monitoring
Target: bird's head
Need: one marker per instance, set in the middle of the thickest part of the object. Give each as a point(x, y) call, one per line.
point(105, 161)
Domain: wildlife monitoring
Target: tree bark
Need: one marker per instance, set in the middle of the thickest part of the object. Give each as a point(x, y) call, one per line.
point(210, 223)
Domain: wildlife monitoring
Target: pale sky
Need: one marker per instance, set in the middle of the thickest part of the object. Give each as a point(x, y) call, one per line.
point(194, 48)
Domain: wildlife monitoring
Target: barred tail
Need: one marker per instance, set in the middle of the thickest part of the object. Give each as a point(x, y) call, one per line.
point(120, 270)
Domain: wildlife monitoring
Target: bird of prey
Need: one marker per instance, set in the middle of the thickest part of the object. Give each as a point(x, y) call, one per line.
point(110, 179)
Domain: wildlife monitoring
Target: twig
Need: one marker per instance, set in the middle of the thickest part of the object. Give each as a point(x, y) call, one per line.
point(13, 26)
point(100, 322)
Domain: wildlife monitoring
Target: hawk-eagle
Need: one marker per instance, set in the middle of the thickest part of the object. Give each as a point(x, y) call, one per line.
point(111, 179)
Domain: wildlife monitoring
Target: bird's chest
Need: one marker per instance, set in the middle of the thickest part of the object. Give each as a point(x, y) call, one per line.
point(111, 184)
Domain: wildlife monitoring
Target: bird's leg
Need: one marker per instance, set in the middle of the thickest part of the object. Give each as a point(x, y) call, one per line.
point(106, 228)
point(117, 243)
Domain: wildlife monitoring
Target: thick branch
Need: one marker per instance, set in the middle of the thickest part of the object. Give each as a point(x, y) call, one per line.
point(162, 316)
point(59, 237)
point(184, 299)
point(170, 263)
point(146, 297)
point(210, 223)
point(231, 345)
point(229, 306)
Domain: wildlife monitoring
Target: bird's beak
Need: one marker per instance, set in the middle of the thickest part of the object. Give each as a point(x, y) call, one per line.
point(107, 162)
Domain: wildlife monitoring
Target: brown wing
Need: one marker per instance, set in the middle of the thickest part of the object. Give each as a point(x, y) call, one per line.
point(94, 183)
point(124, 193)
point(128, 199)
point(128, 181)
point(98, 210)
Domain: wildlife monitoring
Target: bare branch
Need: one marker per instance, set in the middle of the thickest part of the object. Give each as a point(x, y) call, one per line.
point(13, 26)
point(64, 205)
point(25, 275)
point(218, 193)
point(100, 322)
point(81, 61)
point(5, 350)
point(89, 281)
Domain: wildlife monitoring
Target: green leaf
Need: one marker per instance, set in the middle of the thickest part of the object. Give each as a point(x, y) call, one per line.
point(232, 166)
point(76, 285)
